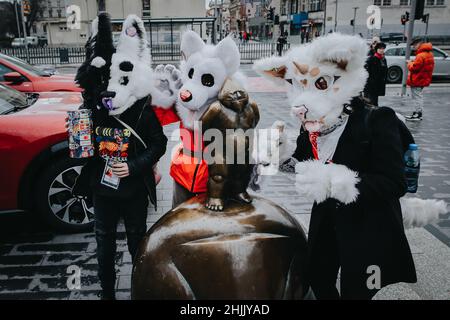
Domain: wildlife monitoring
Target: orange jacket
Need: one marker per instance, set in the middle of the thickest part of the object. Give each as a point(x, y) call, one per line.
point(186, 169)
point(421, 69)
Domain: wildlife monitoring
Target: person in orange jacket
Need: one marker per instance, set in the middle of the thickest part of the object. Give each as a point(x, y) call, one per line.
point(420, 72)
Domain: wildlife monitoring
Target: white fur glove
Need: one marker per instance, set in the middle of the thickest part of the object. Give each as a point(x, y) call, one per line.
point(318, 181)
point(167, 83)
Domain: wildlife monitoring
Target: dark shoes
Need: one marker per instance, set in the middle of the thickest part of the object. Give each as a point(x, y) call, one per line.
point(416, 116)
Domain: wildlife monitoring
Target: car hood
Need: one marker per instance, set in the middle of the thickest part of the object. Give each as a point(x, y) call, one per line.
point(55, 102)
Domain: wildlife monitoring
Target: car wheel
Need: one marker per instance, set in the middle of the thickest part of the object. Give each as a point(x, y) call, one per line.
point(394, 75)
point(55, 201)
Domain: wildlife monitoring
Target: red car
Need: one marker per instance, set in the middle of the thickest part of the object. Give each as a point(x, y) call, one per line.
point(36, 173)
point(23, 77)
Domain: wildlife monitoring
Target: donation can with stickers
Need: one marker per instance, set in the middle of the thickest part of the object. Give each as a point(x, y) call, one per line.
point(80, 134)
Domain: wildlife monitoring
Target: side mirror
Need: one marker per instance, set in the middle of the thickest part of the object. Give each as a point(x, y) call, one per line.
point(14, 77)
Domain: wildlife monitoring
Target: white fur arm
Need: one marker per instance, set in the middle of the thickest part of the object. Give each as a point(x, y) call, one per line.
point(166, 84)
point(318, 181)
point(418, 213)
point(98, 62)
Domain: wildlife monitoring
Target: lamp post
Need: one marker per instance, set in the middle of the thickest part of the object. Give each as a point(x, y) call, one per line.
point(24, 32)
point(17, 18)
point(335, 16)
point(354, 19)
point(408, 44)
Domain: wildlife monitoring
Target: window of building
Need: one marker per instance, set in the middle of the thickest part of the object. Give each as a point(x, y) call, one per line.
point(377, 2)
point(387, 2)
point(405, 2)
point(294, 6)
point(283, 7)
point(146, 8)
point(314, 5)
point(435, 2)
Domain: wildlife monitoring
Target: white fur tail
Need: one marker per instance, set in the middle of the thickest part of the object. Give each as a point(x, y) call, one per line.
point(418, 213)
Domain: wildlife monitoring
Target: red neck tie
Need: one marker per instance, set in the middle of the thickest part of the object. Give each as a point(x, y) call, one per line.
point(313, 139)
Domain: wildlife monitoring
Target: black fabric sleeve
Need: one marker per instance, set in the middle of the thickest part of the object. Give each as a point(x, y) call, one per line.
point(386, 172)
point(156, 145)
point(303, 151)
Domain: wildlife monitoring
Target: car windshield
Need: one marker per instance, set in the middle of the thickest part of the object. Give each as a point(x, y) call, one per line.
point(11, 99)
point(25, 66)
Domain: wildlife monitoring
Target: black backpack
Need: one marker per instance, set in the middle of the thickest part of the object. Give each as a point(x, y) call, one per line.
point(405, 135)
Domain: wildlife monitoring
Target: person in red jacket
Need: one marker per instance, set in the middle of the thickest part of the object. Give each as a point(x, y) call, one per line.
point(419, 75)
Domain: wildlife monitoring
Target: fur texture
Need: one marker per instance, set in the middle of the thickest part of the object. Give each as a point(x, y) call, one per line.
point(322, 75)
point(130, 68)
point(320, 181)
point(167, 83)
point(204, 70)
point(418, 213)
point(271, 148)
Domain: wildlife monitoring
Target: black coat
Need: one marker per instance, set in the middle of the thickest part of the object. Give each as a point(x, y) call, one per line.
point(143, 120)
point(377, 69)
point(369, 231)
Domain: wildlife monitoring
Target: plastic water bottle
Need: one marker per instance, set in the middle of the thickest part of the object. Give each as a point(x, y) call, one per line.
point(412, 167)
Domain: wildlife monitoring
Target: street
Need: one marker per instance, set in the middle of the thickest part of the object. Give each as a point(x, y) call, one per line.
point(34, 262)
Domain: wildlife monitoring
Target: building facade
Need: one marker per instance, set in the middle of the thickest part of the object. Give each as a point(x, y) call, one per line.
point(391, 11)
point(67, 22)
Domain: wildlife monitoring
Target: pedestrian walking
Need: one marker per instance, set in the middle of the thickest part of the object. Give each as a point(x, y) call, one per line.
point(280, 44)
point(302, 35)
point(420, 72)
point(375, 41)
point(307, 36)
point(376, 66)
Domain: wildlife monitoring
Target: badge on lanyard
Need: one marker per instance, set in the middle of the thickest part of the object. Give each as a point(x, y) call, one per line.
point(109, 178)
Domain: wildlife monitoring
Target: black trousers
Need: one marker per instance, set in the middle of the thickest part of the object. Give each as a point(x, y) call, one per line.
point(324, 263)
point(108, 211)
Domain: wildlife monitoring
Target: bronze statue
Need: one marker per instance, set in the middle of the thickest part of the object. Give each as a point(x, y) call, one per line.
point(229, 178)
point(249, 251)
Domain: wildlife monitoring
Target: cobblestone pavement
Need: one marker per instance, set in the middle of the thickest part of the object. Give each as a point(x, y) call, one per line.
point(34, 261)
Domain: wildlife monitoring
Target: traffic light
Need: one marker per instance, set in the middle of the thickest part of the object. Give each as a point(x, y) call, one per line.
point(426, 18)
point(420, 4)
point(26, 7)
point(271, 14)
point(352, 22)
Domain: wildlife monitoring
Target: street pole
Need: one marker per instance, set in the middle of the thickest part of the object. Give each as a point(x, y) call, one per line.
point(88, 19)
point(426, 27)
point(354, 19)
point(335, 16)
point(17, 18)
point(408, 44)
point(24, 32)
point(324, 17)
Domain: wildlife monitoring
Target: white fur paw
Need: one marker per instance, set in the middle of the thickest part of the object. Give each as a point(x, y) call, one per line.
point(98, 62)
point(418, 213)
point(312, 180)
point(167, 82)
point(343, 183)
